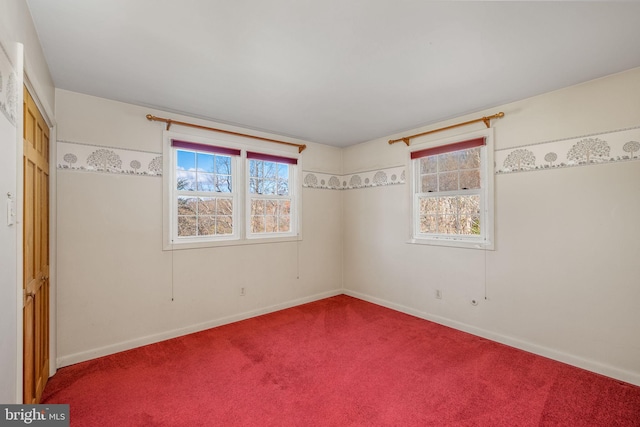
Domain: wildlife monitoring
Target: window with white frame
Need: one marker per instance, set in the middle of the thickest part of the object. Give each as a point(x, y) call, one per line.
point(453, 193)
point(269, 194)
point(226, 194)
point(205, 194)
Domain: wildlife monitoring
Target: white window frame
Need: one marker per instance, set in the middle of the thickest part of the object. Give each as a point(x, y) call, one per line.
point(292, 196)
point(486, 240)
point(240, 194)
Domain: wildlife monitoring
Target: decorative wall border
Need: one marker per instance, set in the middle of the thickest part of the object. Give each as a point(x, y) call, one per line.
point(375, 178)
point(8, 87)
point(613, 146)
point(608, 147)
point(95, 158)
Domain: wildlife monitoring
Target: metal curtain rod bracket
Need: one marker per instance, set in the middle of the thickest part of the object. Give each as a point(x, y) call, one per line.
point(486, 120)
point(169, 122)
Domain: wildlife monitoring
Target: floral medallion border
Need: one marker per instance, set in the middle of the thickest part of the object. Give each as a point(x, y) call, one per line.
point(94, 158)
point(614, 146)
point(375, 178)
point(8, 87)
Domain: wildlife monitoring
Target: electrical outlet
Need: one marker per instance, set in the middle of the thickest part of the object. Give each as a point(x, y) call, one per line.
point(438, 294)
point(242, 292)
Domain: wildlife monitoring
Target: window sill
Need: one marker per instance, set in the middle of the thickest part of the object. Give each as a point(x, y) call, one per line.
point(455, 243)
point(223, 243)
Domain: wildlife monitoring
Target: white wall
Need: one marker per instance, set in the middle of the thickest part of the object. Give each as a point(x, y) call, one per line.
point(16, 26)
point(116, 283)
point(564, 278)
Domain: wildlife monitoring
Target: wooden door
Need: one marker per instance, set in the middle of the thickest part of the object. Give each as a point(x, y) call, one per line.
point(36, 252)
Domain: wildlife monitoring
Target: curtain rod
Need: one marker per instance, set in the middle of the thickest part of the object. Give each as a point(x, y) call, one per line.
point(486, 120)
point(170, 122)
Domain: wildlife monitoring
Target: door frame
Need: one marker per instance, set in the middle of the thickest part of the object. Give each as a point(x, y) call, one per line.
point(35, 89)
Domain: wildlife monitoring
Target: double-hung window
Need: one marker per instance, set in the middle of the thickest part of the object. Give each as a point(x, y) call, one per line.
point(270, 196)
point(206, 199)
point(453, 192)
point(225, 193)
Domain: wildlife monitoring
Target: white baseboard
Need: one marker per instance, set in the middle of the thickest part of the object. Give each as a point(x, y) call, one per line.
point(589, 365)
point(151, 339)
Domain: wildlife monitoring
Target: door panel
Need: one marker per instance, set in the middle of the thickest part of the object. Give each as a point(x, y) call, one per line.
point(36, 252)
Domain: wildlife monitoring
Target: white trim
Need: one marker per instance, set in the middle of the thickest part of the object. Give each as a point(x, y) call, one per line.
point(34, 89)
point(580, 362)
point(19, 198)
point(151, 339)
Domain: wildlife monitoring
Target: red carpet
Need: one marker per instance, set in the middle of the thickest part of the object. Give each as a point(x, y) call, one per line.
point(337, 362)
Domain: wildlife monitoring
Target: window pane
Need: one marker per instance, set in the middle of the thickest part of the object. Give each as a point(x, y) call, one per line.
point(186, 226)
point(283, 171)
point(272, 207)
point(206, 225)
point(253, 168)
point(205, 162)
point(187, 205)
point(269, 170)
point(254, 186)
point(429, 183)
point(447, 224)
point(224, 225)
point(257, 224)
point(185, 180)
point(470, 159)
point(428, 205)
point(429, 164)
point(285, 207)
point(470, 179)
point(223, 165)
point(284, 224)
point(206, 206)
point(469, 224)
point(448, 161)
point(271, 223)
point(283, 187)
point(428, 224)
point(224, 207)
point(447, 205)
point(269, 186)
point(468, 205)
point(206, 182)
point(448, 181)
point(186, 160)
point(257, 207)
point(223, 183)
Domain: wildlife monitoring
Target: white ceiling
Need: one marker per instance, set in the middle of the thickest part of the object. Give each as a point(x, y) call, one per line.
point(337, 72)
